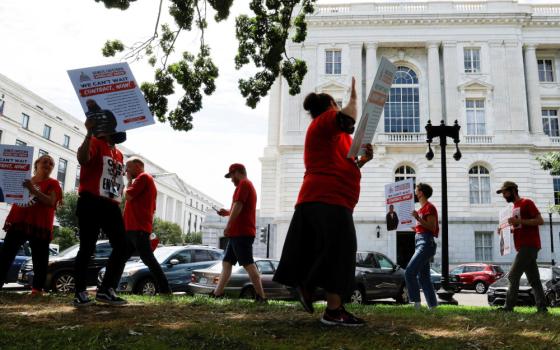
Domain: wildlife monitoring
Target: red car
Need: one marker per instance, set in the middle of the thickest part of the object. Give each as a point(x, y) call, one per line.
point(474, 276)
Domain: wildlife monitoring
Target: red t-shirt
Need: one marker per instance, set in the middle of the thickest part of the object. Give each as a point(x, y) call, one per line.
point(526, 236)
point(329, 177)
point(102, 175)
point(245, 223)
point(35, 218)
point(427, 209)
point(139, 211)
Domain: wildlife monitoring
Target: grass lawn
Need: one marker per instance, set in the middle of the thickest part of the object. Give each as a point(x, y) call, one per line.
point(185, 322)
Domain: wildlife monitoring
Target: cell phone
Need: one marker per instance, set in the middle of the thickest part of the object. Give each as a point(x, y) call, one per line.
point(216, 209)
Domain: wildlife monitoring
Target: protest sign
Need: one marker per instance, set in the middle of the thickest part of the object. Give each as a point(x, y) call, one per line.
point(111, 96)
point(399, 201)
point(373, 108)
point(15, 166)
point(505, 230)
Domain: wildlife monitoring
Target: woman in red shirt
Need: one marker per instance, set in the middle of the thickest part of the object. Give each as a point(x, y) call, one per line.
point(320, 247)
point(33, 222)
point(427, 229)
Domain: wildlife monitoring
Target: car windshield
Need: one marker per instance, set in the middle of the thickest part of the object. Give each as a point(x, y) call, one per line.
point(163, 253)
point(236, 269)
point(70, 252)
point(545, 272)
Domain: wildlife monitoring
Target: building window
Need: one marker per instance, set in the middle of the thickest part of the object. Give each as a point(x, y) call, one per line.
point(479, 185)
point(475, 117)
point(47, 132)
point(472, 60)
point(483, 246)
point(2, 103)
point(24, 121)
point(66, 143)
point(61, 176)
point(405, 172)
point(195, 223)
point(190, 219)
point(77, 183)
point(402, 109)
point(546, 70)
point(42, 152)
point(20, 143)
point(550, 122)
point(333, 62)
point(0, 136)
point(556, 184)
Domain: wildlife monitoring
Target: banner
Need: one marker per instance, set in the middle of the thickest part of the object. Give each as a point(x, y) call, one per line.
point(373, 107)
point(15, 166)
point(504, 229)
point(111, 96)
point(399, 201)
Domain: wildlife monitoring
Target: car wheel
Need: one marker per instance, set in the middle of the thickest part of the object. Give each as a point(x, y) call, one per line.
point(551, 299)
point(248, 293)
point(480, 287)
point(358, 296)
point(437, 286)
point(64, 283)
point(402, 297)
point(146, 287)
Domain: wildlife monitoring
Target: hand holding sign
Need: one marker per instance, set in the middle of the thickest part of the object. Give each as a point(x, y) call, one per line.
point(351, 108)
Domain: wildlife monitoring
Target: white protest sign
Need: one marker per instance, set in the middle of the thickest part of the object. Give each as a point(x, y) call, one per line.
point(15, 166)
point(505, 230)
point(373, 107)
point(399, 201)
point(111, 93)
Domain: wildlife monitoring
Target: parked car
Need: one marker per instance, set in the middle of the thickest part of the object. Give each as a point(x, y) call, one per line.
point(177, 262)
point(435, 276)
point(550, 279)
point(476, 276)
point(377, 277)
point(204, 281)
point(60, 272)
point(23, 254)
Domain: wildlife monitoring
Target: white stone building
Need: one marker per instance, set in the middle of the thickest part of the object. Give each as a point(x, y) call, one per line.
point(26, 118)
point(493, 65)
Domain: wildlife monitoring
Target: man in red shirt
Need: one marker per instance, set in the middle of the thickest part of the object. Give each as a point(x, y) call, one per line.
point(140, 195)
point(525, 222)
point(100, 192)
point(241, 230)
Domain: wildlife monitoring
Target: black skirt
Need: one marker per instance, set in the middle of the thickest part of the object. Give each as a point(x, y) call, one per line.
point(320, 249)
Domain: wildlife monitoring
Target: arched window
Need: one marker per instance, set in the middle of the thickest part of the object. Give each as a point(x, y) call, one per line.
point(479, 185)
point(405, 172)
point(402, 109)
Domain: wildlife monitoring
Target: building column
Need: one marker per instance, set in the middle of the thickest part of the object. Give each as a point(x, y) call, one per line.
point(434, 82)
point(533, 87)
point(356, 71)
point(451, 74)
point(371, 65)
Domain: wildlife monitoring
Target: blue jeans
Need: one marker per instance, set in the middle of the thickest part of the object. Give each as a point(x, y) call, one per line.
point(419, 269)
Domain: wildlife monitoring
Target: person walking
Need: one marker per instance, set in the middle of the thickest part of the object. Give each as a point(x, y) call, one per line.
point(139, 209)
point(33, 223)
point(100, 192)
point(525, 222)
point(241, 230)
point(418, 268)
point(320, 246)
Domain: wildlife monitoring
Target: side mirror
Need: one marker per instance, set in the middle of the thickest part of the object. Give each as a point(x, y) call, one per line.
point(395, 267)
point(173, 262)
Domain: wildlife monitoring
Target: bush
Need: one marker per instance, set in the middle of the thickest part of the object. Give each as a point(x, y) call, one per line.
point(65, 237)
point(194, 238)
point(168, 233)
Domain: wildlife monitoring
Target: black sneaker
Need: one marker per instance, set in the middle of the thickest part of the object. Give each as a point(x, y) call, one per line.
point(542, 311)
point(261, 300)
point(341, 317)
point(109, 296)
point(504, 309)
point(213, 295)
point(82, 299)
point(305, 298)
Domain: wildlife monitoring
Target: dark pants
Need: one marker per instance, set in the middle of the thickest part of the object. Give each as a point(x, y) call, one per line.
point(139, 242)
point(95, 213)
point(525, 262)
point(39, 253)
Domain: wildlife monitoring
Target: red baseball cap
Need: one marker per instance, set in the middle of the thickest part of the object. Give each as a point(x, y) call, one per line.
point(233, 168)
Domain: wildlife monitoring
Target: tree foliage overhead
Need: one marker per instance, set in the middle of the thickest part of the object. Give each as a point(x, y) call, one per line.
point(262, 40)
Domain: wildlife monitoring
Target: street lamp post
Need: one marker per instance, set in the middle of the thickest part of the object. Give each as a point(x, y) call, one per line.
point(551, 236)
point(443, 132)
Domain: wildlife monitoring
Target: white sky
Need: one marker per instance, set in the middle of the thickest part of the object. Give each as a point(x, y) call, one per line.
point(41, 39)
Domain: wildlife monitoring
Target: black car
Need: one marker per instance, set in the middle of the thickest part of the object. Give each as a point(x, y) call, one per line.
point(60, 272)
point(550, 279)
point(377, 277)
point(23, 254)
